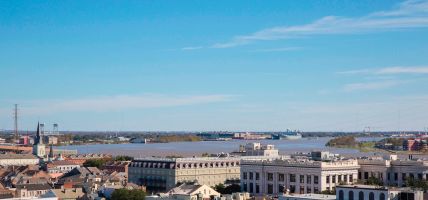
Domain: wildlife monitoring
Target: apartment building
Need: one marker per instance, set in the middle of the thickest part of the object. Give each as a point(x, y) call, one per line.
point(302, 175)
point(162, 174)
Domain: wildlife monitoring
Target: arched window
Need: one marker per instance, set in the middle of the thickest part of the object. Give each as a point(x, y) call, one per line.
point(341, 195)
point(382, 196)
point(361, 195)
point(351, 195)
point(371, 196)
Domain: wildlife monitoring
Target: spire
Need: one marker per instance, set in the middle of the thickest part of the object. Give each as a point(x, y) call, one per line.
point(51, 155)
point(38, 139)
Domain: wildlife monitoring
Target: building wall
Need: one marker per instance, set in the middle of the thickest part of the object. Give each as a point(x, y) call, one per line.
point(273, 177)
point(19, 162)
point(164, 174)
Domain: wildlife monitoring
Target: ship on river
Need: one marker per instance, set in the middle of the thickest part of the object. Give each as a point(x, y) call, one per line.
point(288, 135)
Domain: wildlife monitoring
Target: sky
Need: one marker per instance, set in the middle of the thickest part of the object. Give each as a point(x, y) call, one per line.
point(221, 65)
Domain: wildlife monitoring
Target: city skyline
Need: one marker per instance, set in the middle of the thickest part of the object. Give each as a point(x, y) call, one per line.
point(205, 66)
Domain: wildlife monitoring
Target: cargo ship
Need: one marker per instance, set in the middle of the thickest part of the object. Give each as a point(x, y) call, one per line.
point(289, 135)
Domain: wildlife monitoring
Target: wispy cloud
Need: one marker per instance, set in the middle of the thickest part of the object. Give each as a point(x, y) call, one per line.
point(117, 103)
point(408, 14)
point(390, 70)
point(278, 49)
point(191, 48)
point(371, 85)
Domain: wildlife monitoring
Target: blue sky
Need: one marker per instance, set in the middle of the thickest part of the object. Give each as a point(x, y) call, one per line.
point(215, 65)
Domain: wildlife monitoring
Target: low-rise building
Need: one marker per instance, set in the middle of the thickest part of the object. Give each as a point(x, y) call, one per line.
point(370, 192)
point(188, 192)
point(61, 166)
point(273, 176)
point(257, 149)
point(162, 174)
point(116, 166)
point(310, 196)
point(18, 159)
point(32, 190)
point(391, 170)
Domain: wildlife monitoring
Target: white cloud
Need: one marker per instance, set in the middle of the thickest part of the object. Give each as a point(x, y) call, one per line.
point(390, 70)
point(409, 14)
point(278, 49)
point(371, 85)
point(191, 48)
point(116, 103)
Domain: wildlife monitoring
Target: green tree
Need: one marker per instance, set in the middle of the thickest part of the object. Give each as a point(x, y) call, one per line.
point(94, 163)
point(227, 189)
point(374, 181)
point(125, 194)
point(123, 158)
point(417, 183)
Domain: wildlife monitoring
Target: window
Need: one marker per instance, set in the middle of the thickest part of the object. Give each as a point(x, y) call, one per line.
point(389, 176)
point(351, 195)
point(316, 190)
point(315, 179)
point(292, 188)
point(302, 190)
point(257, 176)
point(366, 175)
point(361, 195)
point(339, 178)
point(245, 187)
point(403, 176)
point(396, 176)
point(302, 179)
point(420, 176)
point(270, 189)
point(251, 188)
point(359, 175)
point(257, 188)
point(345, 178)
point(371, 196)
point(327, 179)
point(382, 196)
point(281, 177)
point(333, 180)
point(270, 177)
point(292, 178)
point(251, 175)
point(281, 188)
point(308, 179)
point(308, 189)
point(244, 175)
point(341, 195)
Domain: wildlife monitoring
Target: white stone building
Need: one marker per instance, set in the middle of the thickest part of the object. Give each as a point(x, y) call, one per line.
point(162, 174)
point(61, 166)
point(392, 171)
point(369, 192)
point(257, 149)
point(18, 159)
point(273, 176)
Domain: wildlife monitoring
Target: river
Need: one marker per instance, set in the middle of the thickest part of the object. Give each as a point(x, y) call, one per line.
point(197, 148)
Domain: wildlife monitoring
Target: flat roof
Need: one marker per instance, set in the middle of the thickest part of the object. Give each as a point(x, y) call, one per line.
point(309, 196)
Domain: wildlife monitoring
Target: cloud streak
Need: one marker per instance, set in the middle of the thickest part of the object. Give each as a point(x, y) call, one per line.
point(390, 70)
point(120, 102)
point(409, 14)
point(370, 85)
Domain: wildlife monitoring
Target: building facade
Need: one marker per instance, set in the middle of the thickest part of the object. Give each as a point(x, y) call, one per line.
point(18, 160)
point(162, 174)
point(392, 171)
point(369, 192)
point(257, 149)
point(295, 175)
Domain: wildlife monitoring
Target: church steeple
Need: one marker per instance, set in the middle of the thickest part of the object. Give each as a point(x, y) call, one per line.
point(51, 154)
point(38, 139)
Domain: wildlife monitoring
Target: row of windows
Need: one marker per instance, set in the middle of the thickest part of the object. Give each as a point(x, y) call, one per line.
point(360, 195)
point(391, 176)
point(281, 188)
point(183, 165)
point(281, 177)
point(340, 178)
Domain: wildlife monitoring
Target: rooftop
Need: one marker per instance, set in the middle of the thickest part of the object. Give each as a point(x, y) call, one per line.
point(17, 156)
point(310, 196)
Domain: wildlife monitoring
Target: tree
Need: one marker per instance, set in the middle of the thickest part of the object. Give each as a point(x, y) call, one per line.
point(227, 189)
point(98, 163)
point(125, 194)
point(123, 158)
point(417, 183)
point(374, 181)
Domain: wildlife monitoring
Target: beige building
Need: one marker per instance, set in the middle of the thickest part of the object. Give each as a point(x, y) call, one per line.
point(162, 174)
point(273, 176)
point(370, 192)
point(18, 159)
point(392, 171)
point(257, 149)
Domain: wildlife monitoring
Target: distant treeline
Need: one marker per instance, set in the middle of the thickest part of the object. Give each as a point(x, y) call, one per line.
point(344, 141)
point(176, 138)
